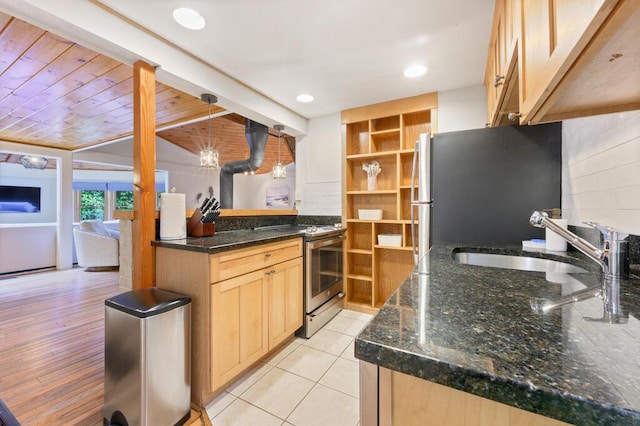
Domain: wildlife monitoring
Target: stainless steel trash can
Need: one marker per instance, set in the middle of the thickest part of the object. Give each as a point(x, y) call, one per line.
point(147, 378)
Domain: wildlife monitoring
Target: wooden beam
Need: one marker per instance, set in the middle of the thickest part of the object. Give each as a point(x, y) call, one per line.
point(144, 174)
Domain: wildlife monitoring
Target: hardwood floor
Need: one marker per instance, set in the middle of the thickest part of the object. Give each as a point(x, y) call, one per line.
point(52, 345)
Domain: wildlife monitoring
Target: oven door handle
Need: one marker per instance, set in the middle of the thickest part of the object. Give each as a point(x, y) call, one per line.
point(327, 242)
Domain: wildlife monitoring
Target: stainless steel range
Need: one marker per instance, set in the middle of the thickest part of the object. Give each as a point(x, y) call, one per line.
point(323, 276)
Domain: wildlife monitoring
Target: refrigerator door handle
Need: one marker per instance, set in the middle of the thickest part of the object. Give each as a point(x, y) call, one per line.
point(414, 204)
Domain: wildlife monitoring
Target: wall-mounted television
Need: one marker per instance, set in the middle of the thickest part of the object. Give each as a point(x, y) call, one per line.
point(19, 199)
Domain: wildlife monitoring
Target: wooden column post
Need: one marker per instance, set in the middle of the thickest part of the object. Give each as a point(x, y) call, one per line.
point(144, 174)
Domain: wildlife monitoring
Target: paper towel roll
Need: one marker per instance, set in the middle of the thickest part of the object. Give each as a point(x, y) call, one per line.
point(173, 222)
point(554, 241)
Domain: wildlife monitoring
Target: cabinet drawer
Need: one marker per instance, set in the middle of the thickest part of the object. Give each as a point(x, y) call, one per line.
point(232, 263)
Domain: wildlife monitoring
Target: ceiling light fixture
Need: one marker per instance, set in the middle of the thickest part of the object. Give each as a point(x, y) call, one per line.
point(304, 98)
point(209, 157)
point(189, 18)
point(33, 162)
point(279, 170)
point(415, 71)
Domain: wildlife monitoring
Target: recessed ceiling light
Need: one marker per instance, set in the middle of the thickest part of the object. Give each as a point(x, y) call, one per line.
point(304, 98)
point(189, 18)
point(415, 71)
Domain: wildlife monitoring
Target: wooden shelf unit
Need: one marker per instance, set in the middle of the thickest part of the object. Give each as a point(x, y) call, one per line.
point(385, 133)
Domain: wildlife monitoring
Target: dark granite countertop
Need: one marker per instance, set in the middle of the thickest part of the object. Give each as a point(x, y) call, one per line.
point(229, 240)
point(472, 328)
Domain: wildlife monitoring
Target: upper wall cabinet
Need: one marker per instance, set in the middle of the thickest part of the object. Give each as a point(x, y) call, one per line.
point(574, 58)
point(501, 76)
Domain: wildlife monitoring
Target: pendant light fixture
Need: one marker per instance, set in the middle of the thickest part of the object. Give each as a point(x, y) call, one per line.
point(209, 157)
point(279, 170)
point(33, 162)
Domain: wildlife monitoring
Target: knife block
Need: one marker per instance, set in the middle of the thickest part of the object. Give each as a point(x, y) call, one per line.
point(195, 228)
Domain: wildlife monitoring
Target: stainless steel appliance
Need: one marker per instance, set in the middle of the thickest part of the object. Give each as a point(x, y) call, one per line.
point(323, 276)
point(420, 174)
point(147, 379)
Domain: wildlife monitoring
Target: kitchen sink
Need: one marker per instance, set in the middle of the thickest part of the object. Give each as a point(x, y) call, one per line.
point(522, 263)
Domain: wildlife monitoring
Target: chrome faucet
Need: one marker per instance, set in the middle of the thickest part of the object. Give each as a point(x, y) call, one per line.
point(613, 257)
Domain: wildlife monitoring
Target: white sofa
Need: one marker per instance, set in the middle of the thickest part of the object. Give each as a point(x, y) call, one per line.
point(97, 247)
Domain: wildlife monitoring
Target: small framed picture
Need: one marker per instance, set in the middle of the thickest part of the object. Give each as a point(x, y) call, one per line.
point(278, 196)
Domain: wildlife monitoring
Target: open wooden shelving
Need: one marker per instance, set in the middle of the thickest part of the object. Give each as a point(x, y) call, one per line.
point(385, 133)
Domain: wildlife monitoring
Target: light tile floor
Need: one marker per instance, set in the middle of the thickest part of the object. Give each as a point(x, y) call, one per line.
point(306, 383)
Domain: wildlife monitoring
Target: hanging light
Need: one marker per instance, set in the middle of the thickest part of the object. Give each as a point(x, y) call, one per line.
point(279, 170)
point(209, 157)
point(33, 162)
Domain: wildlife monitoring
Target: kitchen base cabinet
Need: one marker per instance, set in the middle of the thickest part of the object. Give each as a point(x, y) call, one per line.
point(245, 303)
point(238, 325)
point(285, 301)
point(392, 398)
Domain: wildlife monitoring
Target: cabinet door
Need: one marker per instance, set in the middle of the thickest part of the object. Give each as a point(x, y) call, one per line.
point(238, 325)
point(554, 32)
point(285, 300)
point(501, 78)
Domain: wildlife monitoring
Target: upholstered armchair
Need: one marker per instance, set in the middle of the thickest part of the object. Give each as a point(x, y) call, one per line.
point(97, 247)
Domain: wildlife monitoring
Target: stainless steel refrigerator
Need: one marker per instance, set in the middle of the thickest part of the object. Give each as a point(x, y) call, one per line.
point(480, 186)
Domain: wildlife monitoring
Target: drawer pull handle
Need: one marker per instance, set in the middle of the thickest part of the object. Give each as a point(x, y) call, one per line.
point(498, 80)
point(270, 272)
point(268, 255)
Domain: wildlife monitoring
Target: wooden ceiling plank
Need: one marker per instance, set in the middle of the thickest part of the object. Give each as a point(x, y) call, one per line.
point(50, 114)
point(114, 82)
point(31, 63)
point(90, 107)
point(62, 66)
point(39, 96)
point(16, 38)
point(170, 112)
point(92, 129)
point(165, 92)
point(4, 20)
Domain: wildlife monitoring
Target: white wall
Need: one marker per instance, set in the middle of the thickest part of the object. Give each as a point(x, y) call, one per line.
point(319, 168)
point(462, 109)
point(601, 170)
point(250, 192)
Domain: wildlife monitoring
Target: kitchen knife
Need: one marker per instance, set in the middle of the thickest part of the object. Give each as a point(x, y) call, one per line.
point(210, 216)
point(204, 203)
point(207, 207)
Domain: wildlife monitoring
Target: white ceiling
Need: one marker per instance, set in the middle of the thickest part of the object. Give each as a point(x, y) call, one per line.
point(346, 53)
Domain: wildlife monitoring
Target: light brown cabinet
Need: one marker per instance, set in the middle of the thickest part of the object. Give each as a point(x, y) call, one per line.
point(501, 76)
point(284, 295)
point(385, 133)
point(574, 58)
point(245, 302)
point(389, 397)
point(238, 325)
point(251, 314)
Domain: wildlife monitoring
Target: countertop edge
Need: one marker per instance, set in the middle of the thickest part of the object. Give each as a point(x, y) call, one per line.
point(184, 244)
point(561, 406)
